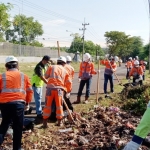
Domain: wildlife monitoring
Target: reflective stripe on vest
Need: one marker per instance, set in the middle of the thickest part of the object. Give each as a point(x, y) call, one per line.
point(5, 89)
point(52, 75)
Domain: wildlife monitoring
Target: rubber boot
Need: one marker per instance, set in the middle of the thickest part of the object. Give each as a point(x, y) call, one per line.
point(45, 123)
point(86, 99)
point(59, 122)
point(78, 100)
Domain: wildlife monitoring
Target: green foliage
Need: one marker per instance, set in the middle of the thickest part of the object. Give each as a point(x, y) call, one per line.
point(27, 28)
point(136, 99)
point(1, 37)
point(89, 46)
point(4, 20)
point(136, 47)
point(36, 43)
point(4, 17)
point(136, 106)
point(123, 45)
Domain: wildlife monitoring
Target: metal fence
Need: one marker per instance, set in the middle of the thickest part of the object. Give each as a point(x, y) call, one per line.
point(23, 50)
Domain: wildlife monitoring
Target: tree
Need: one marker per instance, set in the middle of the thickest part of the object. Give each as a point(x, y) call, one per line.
point(36, 44)
point(76, 44)
point(29, 28)
point(145, 53)
point(89, 46)
point(117, 42)
point(137, 46)
point(4, 20)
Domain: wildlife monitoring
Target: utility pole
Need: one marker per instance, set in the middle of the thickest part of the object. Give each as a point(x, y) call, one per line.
point(149, 34)
point(84, 24)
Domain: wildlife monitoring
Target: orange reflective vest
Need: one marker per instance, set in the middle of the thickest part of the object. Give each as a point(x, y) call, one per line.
point(15, 86)
point(129, 64)
point(86, 70)
point(135, 71)
point(109, 66)
point(143, 67)
point(70, 70)
point(58, 77)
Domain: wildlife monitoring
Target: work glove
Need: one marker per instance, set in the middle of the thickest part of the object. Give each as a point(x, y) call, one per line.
point(137, 80)
point(112, 70)
point(26, 107)
point(131, 146)
point(140, 77)
point(79, 80)
point(67, 95)
point(128, 80)
point(98, 71)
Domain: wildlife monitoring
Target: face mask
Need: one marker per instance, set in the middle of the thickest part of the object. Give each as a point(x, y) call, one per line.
point(86, 60)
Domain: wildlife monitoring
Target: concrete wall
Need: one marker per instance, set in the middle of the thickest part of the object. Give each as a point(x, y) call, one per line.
point(25, 59)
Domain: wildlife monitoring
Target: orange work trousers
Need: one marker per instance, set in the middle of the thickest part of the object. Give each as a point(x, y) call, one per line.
point(57, 96)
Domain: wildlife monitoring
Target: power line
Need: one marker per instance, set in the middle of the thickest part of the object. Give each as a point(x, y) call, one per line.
point(33, 5)
point(84, 24)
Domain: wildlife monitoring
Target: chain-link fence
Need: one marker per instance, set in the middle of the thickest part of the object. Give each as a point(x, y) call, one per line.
point(23, 50)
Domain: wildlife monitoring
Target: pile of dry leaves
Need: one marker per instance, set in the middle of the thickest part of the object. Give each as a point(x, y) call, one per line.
point(100, 129)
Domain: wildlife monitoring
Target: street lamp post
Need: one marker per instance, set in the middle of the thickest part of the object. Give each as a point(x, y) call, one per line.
point(73, 36)
point(19, 29)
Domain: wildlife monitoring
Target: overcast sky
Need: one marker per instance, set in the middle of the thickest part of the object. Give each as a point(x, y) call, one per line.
point(57, 16)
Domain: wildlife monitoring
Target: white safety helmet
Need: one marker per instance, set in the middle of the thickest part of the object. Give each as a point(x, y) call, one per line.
point(10, 59)
point(86, 56)
point(136, 62)
point(116, 58)
point(145, 62)
point(107, 55)
point(130, 58)
point(62, 58)
point(68, 58)
point(136, 57)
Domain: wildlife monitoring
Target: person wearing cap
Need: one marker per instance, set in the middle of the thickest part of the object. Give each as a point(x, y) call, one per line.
point(128, 66)
point(38, 81)
point(58, 82)
point(110, 68)
point(15, 93)
point(137, 73)
point(85, 77)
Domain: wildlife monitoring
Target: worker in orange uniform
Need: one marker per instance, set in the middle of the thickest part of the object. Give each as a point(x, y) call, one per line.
point(144, 68)
point(85, 77)
point(128, 65)
point(137, 73)
point(70, 70)
point(15, 93)
point(58, 82)
point(110, 68)
point(143, 65)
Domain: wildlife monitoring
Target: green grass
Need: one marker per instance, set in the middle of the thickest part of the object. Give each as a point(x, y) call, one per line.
point(26, 68)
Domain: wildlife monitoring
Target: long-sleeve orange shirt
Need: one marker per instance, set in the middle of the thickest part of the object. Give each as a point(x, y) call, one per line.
point(58, 77)
point(109, 66)
point(86, 70)
point(135, 71)
point(129, 64)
